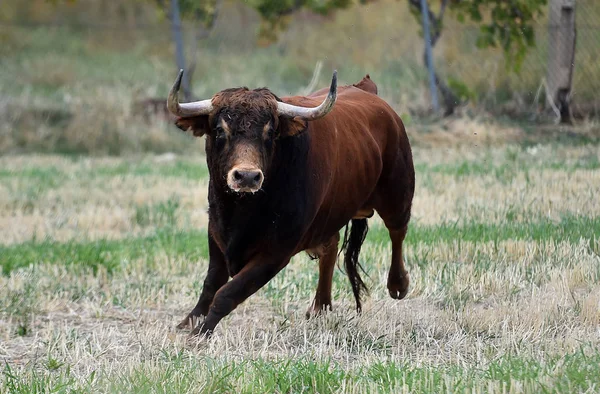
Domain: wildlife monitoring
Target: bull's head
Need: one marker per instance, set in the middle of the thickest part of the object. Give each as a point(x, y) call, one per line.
point(242, 128)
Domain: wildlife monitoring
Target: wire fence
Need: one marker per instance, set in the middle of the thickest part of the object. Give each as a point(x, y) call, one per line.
point(525, 89)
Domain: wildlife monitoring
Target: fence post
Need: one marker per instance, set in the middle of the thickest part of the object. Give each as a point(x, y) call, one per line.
point(429, 55)
point(561, 51)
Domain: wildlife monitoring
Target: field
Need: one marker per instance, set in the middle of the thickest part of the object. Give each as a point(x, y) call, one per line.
point(101, 256)
point(103, 214)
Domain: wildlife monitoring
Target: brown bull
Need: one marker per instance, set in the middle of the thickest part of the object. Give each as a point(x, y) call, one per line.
point(286, 176)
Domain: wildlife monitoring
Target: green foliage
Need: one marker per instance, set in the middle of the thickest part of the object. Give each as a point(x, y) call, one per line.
point(276, 13)
point(270, 9)
point(202, 11)
point(461, 90)
point(504, 24)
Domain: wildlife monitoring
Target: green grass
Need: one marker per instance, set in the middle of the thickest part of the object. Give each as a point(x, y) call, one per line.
point(162, 214)
point(177, 169)
point(108, 254)
point(114, 254)
point(504, 170)
point(513, 163)
point(52, 175)
point(569, 228)
point(184, 371)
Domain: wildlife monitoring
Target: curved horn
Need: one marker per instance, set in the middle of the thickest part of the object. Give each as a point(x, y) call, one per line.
point(186, 110)
point(291, 111)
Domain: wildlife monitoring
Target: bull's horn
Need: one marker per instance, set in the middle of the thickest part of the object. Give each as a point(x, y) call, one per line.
point(186, 110)
point(291, 111)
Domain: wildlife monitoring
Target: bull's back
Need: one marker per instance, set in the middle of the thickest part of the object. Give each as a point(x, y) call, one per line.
point(349, 151)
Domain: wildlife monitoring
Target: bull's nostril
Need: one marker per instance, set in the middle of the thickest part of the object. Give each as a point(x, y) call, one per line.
point(246, 178)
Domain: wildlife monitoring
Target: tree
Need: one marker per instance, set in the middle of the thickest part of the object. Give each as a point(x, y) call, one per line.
point(502, 23)
point(276, 14)
point(449, 98)
point(203, 15)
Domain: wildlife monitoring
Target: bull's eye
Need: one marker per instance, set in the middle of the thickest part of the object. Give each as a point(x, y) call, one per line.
point(270, 133)
point(220, 133)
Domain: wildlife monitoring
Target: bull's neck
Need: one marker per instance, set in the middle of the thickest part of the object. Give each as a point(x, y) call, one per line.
point(282, 201)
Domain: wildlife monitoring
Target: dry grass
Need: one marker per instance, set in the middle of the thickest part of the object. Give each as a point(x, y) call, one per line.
point(98, 197)
point(498, 316)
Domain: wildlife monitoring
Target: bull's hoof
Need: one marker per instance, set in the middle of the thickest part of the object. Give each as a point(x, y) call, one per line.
point(195, 333)
point(316, 310)
point(189, 322)
point(199, 333)
point(398, 286)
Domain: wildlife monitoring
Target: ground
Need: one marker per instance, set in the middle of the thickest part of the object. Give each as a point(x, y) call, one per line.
point(101, 257)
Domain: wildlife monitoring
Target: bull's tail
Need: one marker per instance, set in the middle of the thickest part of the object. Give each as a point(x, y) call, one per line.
point(352, 244)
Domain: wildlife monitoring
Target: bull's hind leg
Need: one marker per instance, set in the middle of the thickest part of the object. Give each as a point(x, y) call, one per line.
point(398, 278)
point(327, 254)
point(394, 207)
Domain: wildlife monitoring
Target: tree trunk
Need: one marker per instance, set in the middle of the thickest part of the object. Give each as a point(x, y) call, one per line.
point(179, 55)
point(449, 99)
point(202, 31)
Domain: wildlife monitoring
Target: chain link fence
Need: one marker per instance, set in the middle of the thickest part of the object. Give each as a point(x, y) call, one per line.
point(524, 92)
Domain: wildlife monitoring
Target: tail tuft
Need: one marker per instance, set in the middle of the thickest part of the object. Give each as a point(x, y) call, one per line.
point(352, 244)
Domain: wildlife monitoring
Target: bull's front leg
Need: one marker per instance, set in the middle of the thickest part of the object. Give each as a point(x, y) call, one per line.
point(216, 277)
point(248, 281)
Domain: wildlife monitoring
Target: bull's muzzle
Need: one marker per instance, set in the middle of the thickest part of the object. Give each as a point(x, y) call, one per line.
point(245, 180)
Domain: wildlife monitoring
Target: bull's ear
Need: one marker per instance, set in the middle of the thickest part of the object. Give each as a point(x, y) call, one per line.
point(198, 125)
point(291, 127)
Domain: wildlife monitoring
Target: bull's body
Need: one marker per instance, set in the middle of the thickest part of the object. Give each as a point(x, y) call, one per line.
point(340, 168)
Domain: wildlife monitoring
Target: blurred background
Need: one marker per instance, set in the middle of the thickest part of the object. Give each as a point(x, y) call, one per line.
point(91, 76)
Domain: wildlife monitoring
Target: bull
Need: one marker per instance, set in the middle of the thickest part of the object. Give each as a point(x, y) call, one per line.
point(286, 176)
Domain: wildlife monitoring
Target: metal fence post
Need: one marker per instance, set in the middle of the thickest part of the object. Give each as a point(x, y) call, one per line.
point(561, 59)
point(429, 55)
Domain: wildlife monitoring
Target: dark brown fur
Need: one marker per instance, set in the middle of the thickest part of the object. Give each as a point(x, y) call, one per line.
point(318, 176)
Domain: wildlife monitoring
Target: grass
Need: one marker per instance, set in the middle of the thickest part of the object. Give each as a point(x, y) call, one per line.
point(192, 244)
point(101, 256)
point(183, 373)
point(110, 255)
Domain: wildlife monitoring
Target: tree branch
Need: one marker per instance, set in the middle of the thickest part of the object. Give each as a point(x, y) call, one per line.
point(442, 9)
point(161, 4)
point(201, 33)
point(291, 9)
point(207, 26)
